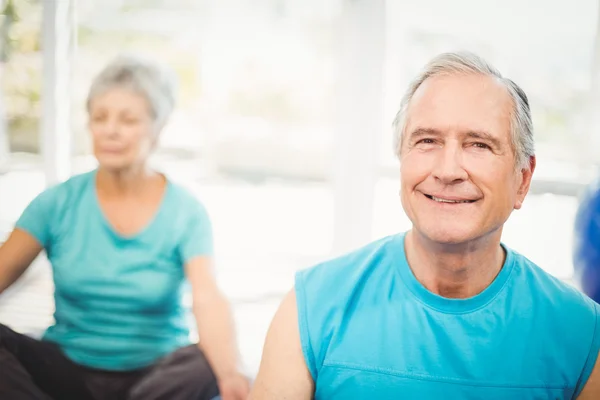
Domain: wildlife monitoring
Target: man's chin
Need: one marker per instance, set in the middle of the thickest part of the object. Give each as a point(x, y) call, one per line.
point(448, 235)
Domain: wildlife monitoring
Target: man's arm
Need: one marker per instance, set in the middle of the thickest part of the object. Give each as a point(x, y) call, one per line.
point(591, 390)
point(283, 373)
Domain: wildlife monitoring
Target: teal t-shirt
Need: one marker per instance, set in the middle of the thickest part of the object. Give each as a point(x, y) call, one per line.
point(370, 330)
point(118, 299)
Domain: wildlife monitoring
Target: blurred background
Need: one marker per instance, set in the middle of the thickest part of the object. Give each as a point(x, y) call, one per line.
point(283, 126)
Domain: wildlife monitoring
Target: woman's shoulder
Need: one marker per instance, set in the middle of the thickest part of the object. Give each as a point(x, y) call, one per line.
point(184, 191)
point(186, 198)
point(77, 181)
point(61, 192)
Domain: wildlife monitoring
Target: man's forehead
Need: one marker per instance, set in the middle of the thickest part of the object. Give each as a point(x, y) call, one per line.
point(460, 103)
point(481, 87)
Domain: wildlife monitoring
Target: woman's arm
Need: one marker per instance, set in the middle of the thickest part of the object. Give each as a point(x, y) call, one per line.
point(16, 255)
point(216, 329)
point(31, 235)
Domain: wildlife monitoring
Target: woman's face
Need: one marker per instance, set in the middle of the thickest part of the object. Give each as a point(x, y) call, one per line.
point(122, 129)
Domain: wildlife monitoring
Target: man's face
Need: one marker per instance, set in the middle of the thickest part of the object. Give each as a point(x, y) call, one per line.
point(458, 176)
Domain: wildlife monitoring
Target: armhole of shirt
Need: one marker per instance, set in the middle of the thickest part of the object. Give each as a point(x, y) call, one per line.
point(592, 356)
point(305, 341)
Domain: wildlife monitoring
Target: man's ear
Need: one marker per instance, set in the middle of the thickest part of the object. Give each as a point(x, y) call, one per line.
point(526, 176)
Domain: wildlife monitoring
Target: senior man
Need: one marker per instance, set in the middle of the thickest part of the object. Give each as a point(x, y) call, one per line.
point(445, 310)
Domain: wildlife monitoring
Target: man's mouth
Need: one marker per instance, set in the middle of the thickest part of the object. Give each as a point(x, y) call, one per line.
point(452, 201)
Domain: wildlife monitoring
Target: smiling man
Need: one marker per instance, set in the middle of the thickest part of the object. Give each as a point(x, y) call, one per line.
point(444, 310)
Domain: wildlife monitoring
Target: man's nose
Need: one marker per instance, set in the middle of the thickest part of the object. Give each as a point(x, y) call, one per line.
point(448, 168)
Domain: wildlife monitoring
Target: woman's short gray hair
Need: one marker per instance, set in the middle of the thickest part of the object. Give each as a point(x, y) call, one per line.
point(469, 63)
point(154, 81)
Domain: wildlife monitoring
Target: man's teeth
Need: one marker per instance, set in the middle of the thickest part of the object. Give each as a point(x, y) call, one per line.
point(449, 201)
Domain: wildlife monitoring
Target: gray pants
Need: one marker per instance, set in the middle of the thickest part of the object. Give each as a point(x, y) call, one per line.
point(38, 370)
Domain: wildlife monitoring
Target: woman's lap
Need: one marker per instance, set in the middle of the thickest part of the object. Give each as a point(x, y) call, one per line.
point(37, 369)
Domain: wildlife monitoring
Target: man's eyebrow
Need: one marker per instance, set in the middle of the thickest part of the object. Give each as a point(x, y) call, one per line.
point(473, 134)
point(420, 132)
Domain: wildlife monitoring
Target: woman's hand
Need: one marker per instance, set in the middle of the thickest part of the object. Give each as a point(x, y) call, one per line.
point(234, 387)
point(216, 330)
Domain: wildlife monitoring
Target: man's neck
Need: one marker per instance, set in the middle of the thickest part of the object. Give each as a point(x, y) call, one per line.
point(455, 271)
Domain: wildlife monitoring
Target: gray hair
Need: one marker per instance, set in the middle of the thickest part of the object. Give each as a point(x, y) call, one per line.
point(469, 63)
point(155, 82)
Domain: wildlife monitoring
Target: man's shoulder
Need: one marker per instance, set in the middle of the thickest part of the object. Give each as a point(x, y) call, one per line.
point(556, 294)
point(566, 319)
point(350, 269)
point(325, 293)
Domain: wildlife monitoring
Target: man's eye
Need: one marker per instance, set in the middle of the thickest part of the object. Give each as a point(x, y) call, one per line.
point(481, 145)
point(425, 141)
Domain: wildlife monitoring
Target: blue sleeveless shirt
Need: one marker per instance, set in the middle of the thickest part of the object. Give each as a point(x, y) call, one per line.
point(370, 330)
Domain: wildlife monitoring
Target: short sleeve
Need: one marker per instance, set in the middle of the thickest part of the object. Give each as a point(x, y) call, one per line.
point(198, 238)
point(35, 219)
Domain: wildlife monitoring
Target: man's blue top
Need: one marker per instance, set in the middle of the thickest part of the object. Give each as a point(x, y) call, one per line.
point(118, 298)
point(370, 330)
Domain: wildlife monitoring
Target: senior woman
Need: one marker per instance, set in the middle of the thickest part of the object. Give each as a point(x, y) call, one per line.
point(123, 241)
